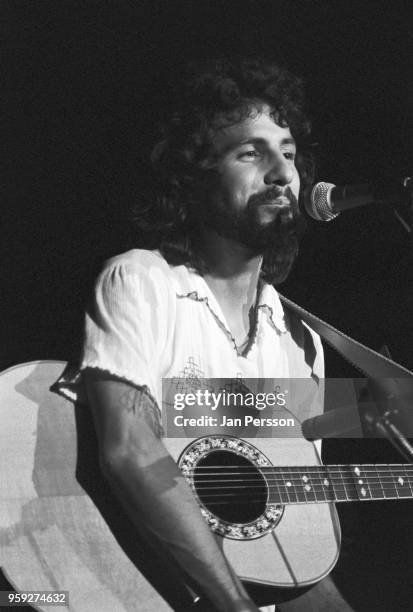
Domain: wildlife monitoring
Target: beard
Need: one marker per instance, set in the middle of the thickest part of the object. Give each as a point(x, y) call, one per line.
point(277, 239)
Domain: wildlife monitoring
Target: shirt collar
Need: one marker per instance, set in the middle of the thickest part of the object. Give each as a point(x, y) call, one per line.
point(189, 284)
point(270, 303)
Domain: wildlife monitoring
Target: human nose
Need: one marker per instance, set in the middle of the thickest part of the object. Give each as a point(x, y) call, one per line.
point(280, 172)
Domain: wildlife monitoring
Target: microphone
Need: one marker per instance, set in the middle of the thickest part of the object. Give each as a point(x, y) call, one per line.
point(363, 420)
point(327, 200)
point(344, 422)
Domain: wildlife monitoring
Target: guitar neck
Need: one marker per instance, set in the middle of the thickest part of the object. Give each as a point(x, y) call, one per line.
point(340, 483)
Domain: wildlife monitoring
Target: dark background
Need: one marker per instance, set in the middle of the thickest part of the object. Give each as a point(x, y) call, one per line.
point(84, 83)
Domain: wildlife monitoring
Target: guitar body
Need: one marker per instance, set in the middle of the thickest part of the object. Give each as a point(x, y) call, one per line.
point(304, 545)
point(61, 528)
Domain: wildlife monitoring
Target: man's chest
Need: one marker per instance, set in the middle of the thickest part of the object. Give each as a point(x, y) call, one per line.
point(204, 342)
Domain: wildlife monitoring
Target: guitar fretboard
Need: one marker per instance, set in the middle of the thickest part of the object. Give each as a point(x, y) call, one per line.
point(309, 484)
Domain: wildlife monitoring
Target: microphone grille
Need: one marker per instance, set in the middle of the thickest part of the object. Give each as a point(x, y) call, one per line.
point(319, 205)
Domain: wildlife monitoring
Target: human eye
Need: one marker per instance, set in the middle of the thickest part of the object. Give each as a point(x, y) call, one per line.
point(289, 151)
point(290, 155)
point(250, 154)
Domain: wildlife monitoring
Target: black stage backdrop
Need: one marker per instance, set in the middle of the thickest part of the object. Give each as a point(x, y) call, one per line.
point(84, 84)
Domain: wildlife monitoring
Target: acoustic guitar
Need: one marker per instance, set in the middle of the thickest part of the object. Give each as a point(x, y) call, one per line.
point(268, 501)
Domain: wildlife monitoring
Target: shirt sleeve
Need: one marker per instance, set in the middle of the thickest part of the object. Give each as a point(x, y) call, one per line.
point(126, 324)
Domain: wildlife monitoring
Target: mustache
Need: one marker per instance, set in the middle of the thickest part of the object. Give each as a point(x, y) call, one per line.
point(272, 194)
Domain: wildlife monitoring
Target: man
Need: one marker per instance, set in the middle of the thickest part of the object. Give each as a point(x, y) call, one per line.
point(224, 226)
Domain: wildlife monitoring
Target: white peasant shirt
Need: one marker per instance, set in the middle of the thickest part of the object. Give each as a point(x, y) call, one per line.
point(149, 320)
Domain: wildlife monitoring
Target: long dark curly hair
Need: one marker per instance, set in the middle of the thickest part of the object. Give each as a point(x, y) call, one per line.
point(213, 95)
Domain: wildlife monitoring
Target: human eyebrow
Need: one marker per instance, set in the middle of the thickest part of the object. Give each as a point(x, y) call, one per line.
point(259, 142)
point(233, 146)
point(287, 141)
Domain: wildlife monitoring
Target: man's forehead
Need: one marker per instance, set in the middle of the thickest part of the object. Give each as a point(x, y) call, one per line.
point(259, 125)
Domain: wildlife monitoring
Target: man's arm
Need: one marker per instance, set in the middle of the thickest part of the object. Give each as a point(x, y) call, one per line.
point(152, 489)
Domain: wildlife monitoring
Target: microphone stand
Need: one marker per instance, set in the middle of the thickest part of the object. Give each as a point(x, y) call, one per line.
point(388, 411)
point(408, 189)
point(383, 425)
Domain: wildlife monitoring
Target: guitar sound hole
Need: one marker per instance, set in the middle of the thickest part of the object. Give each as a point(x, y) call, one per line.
point(230, 487)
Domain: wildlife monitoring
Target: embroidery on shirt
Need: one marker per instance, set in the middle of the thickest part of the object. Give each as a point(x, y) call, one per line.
point(189, 377)
point(236, 385)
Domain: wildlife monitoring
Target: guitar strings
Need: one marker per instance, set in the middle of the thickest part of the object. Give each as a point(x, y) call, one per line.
point(306, 468)
point(297, 475)
point(342, 484)
point(264, 499)
point(272, 489)
point(302, 483)
point(380, 479)
point(306, 497)
point(294, 486)
point(296, 478)
point(296, 472)
point(387, 486)
point(291, 495)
